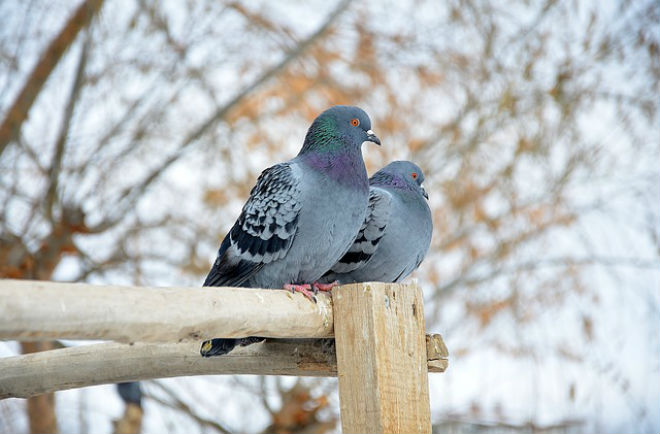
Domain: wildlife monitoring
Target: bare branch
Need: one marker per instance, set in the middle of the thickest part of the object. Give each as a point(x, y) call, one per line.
point(19, 110)
point(56, 164)
point(128, 197)
point(178, 404)
point(605, 261)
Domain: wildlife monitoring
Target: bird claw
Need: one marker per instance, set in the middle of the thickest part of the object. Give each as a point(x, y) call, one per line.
point(326, 287)
point(304, 289)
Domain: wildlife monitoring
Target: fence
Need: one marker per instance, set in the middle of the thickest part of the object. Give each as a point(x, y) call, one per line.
point(380, 352)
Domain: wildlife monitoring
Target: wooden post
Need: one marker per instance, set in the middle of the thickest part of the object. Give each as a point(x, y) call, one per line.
point(381, 358)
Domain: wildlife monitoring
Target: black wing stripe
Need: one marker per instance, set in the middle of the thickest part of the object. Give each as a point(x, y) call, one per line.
point(371, 232)
point(263, 232)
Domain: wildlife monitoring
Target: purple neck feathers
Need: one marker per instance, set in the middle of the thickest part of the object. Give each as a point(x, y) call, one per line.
point(390, 181)
point(346, 166)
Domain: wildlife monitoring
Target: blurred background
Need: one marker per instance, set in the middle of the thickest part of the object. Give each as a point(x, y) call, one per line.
point(127, 159)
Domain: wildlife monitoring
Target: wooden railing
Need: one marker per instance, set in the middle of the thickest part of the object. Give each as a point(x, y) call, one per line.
point(380, 351)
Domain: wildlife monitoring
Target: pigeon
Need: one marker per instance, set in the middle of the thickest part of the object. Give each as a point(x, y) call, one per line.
point(130, 393)
point(396, 232)
point(301, 216)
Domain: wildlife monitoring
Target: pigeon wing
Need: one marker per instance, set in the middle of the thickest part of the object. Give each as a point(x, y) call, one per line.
point(370, 234)
point(263, 232)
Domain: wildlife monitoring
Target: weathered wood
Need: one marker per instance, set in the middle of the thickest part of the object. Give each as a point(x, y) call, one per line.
point(33, 374)
point(35, 310)
point(436, 353)
point(29, 375)
point(381, 358)
point(435, 347)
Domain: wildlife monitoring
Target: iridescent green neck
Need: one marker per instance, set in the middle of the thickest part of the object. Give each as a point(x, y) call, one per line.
point(323, 136)
point(328, 151)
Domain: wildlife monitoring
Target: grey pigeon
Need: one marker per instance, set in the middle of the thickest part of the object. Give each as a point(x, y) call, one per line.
point(130, 393)
point(301, 216)
point(396, 232)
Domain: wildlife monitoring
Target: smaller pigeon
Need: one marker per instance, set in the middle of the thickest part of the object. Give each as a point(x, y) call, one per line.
point(396, 232)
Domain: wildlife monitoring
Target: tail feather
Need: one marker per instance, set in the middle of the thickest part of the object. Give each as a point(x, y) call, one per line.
point(222, 346)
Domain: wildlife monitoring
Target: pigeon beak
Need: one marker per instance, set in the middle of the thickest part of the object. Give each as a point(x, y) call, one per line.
point(371, 137)
point(424, 193)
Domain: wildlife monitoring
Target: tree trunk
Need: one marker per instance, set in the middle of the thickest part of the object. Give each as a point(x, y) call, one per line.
point(130, 422)
point(40, 409)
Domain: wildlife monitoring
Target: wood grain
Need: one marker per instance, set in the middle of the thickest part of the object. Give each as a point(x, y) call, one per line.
point(381, 358)
point(382, 341)
point(37, 310)
point(28, 375)
point(89, 365)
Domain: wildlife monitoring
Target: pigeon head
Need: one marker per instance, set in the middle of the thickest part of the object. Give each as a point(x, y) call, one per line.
point(339, 127)
point(402, 175)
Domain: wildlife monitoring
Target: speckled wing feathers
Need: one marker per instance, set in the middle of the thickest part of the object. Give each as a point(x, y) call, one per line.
point(263, 232)
point(265, 229)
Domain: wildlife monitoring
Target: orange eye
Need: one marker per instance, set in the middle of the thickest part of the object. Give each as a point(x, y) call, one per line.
point(355, 122)
point(414, 175)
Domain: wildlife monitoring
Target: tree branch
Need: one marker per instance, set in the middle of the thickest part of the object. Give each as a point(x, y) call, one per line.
point(129, 195)
point(181, 406)
point(19, 110)
point(56, 164)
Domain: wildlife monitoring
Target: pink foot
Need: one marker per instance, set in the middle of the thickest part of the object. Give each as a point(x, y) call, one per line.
point(325, 286)
point(304, 289)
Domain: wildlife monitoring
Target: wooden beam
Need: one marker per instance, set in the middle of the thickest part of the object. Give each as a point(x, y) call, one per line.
point(381, 358)
point(28, 375)
point(33, 374)
point(35, 310)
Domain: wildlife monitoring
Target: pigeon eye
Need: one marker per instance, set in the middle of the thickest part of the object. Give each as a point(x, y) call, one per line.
point(355, 122)
point(414, 175)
